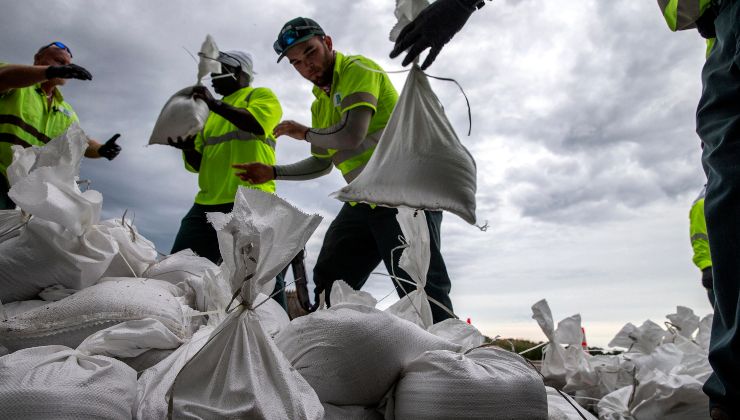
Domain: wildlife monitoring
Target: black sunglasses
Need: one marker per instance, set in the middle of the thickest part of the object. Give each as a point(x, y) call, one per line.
point(57, 44)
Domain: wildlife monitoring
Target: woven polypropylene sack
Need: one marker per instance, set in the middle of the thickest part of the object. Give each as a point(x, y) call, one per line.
point(482, 384)
point(56, 382)
point(69, 321)
point(182, 116)
point(419, 162)
point(353, 354)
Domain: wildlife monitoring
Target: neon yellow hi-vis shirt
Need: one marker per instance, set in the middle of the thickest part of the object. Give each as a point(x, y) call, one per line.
point(27, 119)
point(222, 144)
point(698, 232)
point(354, 85)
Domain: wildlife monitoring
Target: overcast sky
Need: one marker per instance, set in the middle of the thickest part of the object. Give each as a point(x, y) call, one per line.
point(583, 133)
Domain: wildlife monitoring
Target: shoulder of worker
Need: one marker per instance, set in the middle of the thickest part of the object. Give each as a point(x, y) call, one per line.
point(357, 63)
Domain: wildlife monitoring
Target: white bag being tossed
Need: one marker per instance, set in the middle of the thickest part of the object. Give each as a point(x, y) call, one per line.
point(183, 116)
point(240, 373)
point(69, 321)
point(483, 383)
point(62, 242)
point(419, 162)
point(56, 382)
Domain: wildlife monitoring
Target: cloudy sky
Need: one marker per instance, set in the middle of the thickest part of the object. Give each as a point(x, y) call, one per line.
point(583, 133)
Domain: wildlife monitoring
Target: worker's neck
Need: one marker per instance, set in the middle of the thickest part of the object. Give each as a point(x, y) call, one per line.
point(329, 75)
point(48, 88)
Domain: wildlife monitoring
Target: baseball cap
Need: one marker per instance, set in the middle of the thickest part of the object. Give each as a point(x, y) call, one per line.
point(240, 59)
point(294, 32)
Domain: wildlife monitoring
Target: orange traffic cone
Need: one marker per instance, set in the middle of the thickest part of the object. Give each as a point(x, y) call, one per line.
point(584, 344)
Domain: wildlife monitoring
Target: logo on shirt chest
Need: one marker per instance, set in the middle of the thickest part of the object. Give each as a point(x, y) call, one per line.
point(337, 99)
point(64, 111)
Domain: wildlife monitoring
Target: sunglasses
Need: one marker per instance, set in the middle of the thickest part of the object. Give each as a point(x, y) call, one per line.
point(288, 37)
point(59, 45)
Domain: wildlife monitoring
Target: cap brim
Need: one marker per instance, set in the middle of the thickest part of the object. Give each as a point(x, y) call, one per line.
point(298, 41)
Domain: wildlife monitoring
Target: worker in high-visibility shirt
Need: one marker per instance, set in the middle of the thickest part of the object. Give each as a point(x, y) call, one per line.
point(33, 110)
point(718, 126)
point(354, 99)
point(700, 243)
point(239, 128)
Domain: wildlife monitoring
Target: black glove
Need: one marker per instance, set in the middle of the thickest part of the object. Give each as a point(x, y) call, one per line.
point(202, 93)
point(184, 144)
point(69, 71)
point(433, 28)
point(110, 149)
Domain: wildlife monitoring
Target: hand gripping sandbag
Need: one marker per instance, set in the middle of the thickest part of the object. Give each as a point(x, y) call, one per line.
point(182, 116)
point(240, 373)
point(419, 162)
point(56, 382)
point(484, 383)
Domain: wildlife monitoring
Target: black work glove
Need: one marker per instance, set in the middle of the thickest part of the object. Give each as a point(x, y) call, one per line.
point(185, 144)
point(433, 28)
point(202, 93)
point(110, 149)
point(69, 71)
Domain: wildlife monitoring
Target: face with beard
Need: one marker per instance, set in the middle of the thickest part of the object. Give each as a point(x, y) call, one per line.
point(314, 60)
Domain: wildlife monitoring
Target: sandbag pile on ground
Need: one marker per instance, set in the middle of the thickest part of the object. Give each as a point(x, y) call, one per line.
point(660, 374)
point(62, 226)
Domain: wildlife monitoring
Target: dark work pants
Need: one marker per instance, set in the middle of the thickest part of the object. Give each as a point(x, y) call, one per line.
point(200, 236)
point(5, 202)
point(718, 125)
point(360, 237)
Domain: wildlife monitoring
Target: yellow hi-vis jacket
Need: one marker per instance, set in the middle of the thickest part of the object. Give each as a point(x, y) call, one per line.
point(27, 119)
point(698, 232)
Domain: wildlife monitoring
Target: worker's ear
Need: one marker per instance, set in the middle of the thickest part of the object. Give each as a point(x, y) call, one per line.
point(328, 42)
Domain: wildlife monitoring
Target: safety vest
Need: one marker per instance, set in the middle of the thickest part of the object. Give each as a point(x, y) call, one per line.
point(683, 14)
point(357, 81)
point(698, 232)
point(222, 144)
point(27, 119)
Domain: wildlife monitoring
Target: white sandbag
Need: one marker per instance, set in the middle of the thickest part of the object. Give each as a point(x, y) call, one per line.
point(69, 321)
point(56, 292)
point(419, 162)
point(560, 406)
point(182, 116)
point(135, 252)
point(484, 383)
point(676, 397)
point(155, 382)
point(615, 406)
point(458, 332)
point(178, 267)
point(414, 261)
point(11, 222)
point(341, 292)
point(76, 262)
point(43, 182)
point(56, 382)
point(240, 373)
point(643, 339)
point(350, 412)
point(147, 359)
point(352, 354)
point(553, 363)
point(208, 58)
point(705, 331)
point(130, 339)
point(684, 321)
point(18, 307)
point(272, 316)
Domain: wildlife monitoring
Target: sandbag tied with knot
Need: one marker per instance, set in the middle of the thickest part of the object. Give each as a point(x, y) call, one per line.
point(240, 372)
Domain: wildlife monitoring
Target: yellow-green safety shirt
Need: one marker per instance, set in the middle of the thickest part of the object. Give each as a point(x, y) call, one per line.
point(698, 232)
point(683, 14)
point(27, 119)
point(353, 85)
point(222, 144)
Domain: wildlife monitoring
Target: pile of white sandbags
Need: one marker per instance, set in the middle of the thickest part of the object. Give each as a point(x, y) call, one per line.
point(659, 375)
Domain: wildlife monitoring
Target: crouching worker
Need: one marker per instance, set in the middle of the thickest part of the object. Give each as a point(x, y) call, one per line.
point(239, 128)
point(33, 110)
